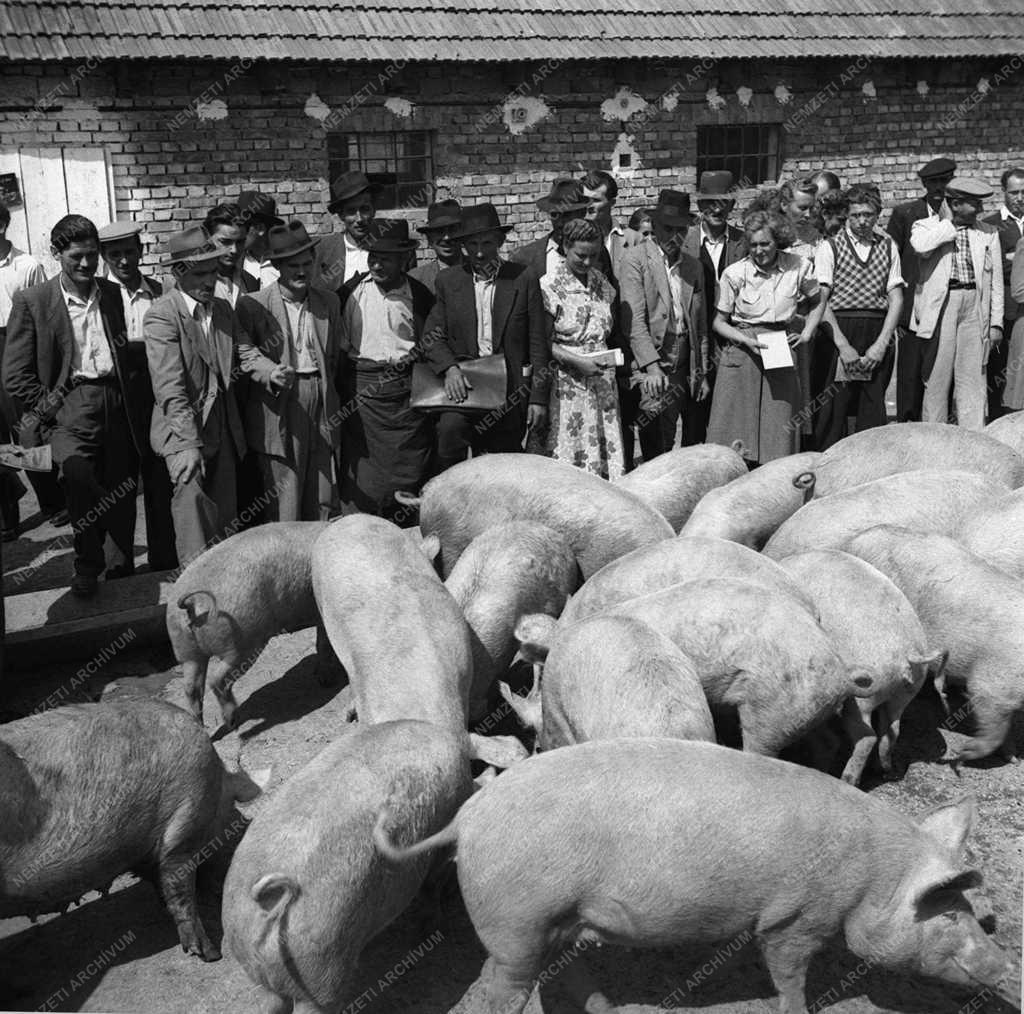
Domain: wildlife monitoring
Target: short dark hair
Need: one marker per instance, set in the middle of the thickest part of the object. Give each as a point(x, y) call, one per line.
point(779, 227)
point(5, 216)
point(829, 177)
point(833, 202)
point(72, 229)
point(224, 214)
point(864, 193)
point(580, 230)
point(1005, 178)
point(638, 218)
point(599, 178)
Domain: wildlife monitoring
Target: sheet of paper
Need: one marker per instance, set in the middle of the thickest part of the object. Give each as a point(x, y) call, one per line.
point(778, 353)
point(32, 459)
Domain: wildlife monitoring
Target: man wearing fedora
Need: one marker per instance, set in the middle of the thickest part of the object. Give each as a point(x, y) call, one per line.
point(485, 307)
point(915, 355)
point(192, 344)
point(121, 249)
point(342, 255)
point(443, 220)
point(663, 313)
point(716, 244)
point(66, 366)
point(565, 202)
point(259, 213)
point(292, 427)
point(958, 305)
point(386, 445)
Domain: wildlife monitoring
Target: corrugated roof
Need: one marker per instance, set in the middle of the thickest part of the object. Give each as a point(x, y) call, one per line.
point(507, 30)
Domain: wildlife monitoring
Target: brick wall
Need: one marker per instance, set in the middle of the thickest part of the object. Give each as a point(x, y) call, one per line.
point(866, 121)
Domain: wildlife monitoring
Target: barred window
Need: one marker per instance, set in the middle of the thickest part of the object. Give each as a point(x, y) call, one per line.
point(750, 151)
point(402, 162)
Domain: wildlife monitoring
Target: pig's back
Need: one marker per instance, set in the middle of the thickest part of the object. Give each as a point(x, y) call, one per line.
point(995, 532)
point(1009, 430)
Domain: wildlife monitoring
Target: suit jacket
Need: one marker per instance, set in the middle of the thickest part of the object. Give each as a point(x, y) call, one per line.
point(735, 250)
point(179, 367)
point(646, 307)
point(901, 222)
point(518, 331)
point(934, 240)
point(1009, 236)
point(329, 261)
point(264, 320)
point(37, 358)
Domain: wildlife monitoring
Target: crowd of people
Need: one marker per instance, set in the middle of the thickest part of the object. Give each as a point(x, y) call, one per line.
point(279, 376)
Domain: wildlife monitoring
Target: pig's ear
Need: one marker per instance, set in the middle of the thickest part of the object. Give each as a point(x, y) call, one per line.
point(926, 890)
point(951, 825)
point(430, 546)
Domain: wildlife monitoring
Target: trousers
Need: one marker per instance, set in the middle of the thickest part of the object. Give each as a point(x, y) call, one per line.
point(958, 363)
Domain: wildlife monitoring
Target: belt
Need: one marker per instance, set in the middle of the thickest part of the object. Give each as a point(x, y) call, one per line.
point(79, 381)
point(313, 374)
point(962, 285)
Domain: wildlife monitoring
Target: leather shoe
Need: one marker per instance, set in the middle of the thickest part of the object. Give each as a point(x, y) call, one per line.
point(84, 585)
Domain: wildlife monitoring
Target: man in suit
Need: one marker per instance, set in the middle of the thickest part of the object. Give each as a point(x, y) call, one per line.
point(486, 307)
point(915, 355)
point(342, 255)
point(121, 249)
point(958, 304)
point(192, 344)
point(293, 428)
point(66, 365)
point(228, 230)
point(1009, 223)
point(565, 202)
point(259, 212)
point(443, 220)
point(716, 244)
point(663, 314)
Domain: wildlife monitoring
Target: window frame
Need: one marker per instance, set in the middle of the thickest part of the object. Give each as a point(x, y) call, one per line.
point(727, 146)
point(374, 151)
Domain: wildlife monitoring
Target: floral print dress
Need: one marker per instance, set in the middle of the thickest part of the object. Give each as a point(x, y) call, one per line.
point(584, 414)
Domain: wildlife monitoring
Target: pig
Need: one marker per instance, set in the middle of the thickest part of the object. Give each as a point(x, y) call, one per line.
point(888, 450)
point(873, 626)
point(1009, 430)
point(674, 562)
point(600, 520)
point(969, 607)
point(611, 677)
point(925, 501)
point(307, 890)
point(511, 569)
point(673, 483)
point(664, 843)
point(397, 630)
point(232, 599)
point(749, 509)
point(757, 650)
point(995, 531)
point(91, 791)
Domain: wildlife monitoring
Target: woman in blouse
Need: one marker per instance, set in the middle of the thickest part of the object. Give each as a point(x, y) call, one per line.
point(584, 412)
point(761, 408)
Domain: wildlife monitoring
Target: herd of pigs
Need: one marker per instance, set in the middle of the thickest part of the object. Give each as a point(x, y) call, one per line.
point(805, 603)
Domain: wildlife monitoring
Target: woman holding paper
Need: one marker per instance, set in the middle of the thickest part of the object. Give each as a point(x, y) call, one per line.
point(584, 411)
point(757, 396)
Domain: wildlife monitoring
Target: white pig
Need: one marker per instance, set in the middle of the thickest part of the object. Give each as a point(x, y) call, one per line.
point(749, 509)
point(970, 608)
point(874, 627)
point(888, 450)
point(614, 677)
point(662, 843)
point(91, 791)
point(307, 890)
point(510, 569)
point(1009, 430)
point(928, 501)
point(673, 483)
point(601, 521)
point(995, 531)
point(677, 561)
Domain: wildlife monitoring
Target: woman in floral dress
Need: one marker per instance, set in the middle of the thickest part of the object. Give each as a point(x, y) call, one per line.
point(579, 302)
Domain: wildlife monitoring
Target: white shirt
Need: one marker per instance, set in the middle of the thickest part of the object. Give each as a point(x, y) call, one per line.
point(675, 284)
point(302, 335)
point(552, 259)
point(483, 290)
point(18, 271)
point(613, 231)
point(1004, 213)
point(229, 288)
point(714, 247)
point(135, 306)
point(825, 263)
point(91, 356)
point(378, 325)
point(355, 259)
point(263, 270)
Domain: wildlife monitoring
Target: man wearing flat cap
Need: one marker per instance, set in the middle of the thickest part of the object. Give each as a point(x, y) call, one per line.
point(342, 255)
point(292, 422)
point(121, 249)
point(442, 224)
point(565, 202)
point(914, 356)
point(663, 313)
point(259, 212)
point(485, 307)
point(192, 343)
point(958, 304)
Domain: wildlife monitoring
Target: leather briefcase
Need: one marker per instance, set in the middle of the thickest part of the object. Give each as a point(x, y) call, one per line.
point(489, 378)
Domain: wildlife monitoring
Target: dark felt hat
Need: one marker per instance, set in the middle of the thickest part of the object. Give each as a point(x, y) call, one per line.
point(288, 240)
point(566, 195)
point(480, 218)
point(673, 209)
point(937, 167)
point(442, 215)
point(255, 206)
point(716, 185)
point(350, 184)
point(389, 235)
point(191, 246)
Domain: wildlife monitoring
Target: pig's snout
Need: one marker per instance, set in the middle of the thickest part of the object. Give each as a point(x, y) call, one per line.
point(190, 602)
point(805, 481)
